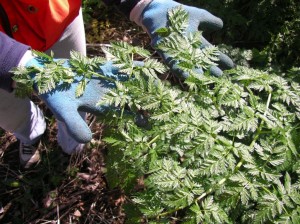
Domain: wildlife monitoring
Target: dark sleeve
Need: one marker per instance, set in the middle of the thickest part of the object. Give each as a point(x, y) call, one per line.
point(124, 6)
point(10, 56)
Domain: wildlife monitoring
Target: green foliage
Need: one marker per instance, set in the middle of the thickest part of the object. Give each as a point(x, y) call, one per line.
point(222, 152)
point(89, 7)
point(283, 46)
point(214, 150)
point(270, 27)
point(52, 72)
point(123, 54)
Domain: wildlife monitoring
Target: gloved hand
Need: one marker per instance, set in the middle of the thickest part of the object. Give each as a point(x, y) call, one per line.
point(65, 105)
point(154, 17)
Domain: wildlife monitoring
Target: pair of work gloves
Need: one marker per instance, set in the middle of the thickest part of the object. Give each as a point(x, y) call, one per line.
point(66, 106)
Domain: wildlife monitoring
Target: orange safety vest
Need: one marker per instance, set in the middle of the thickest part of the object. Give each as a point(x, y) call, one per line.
point(39, 23)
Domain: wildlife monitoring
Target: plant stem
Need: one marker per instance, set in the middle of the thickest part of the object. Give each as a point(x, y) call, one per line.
point(102, 76)
point(153, 140)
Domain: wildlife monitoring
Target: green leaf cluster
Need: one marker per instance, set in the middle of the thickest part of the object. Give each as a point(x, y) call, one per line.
point(271, 29)
point(53, 72)
point(214, 150)
point(224, 151)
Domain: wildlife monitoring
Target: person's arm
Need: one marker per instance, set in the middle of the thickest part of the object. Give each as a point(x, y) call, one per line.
point(11, 54)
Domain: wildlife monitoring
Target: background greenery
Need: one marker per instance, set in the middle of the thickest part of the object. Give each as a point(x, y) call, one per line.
point(270, 28)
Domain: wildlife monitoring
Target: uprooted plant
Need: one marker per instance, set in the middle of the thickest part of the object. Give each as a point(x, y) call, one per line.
point(216, 150)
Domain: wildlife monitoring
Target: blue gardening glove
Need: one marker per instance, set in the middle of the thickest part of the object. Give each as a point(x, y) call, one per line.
point(65, 105)
point(154, 16)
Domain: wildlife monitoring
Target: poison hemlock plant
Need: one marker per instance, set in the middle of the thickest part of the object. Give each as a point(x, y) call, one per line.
point(224, 150)
point(54, 72)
